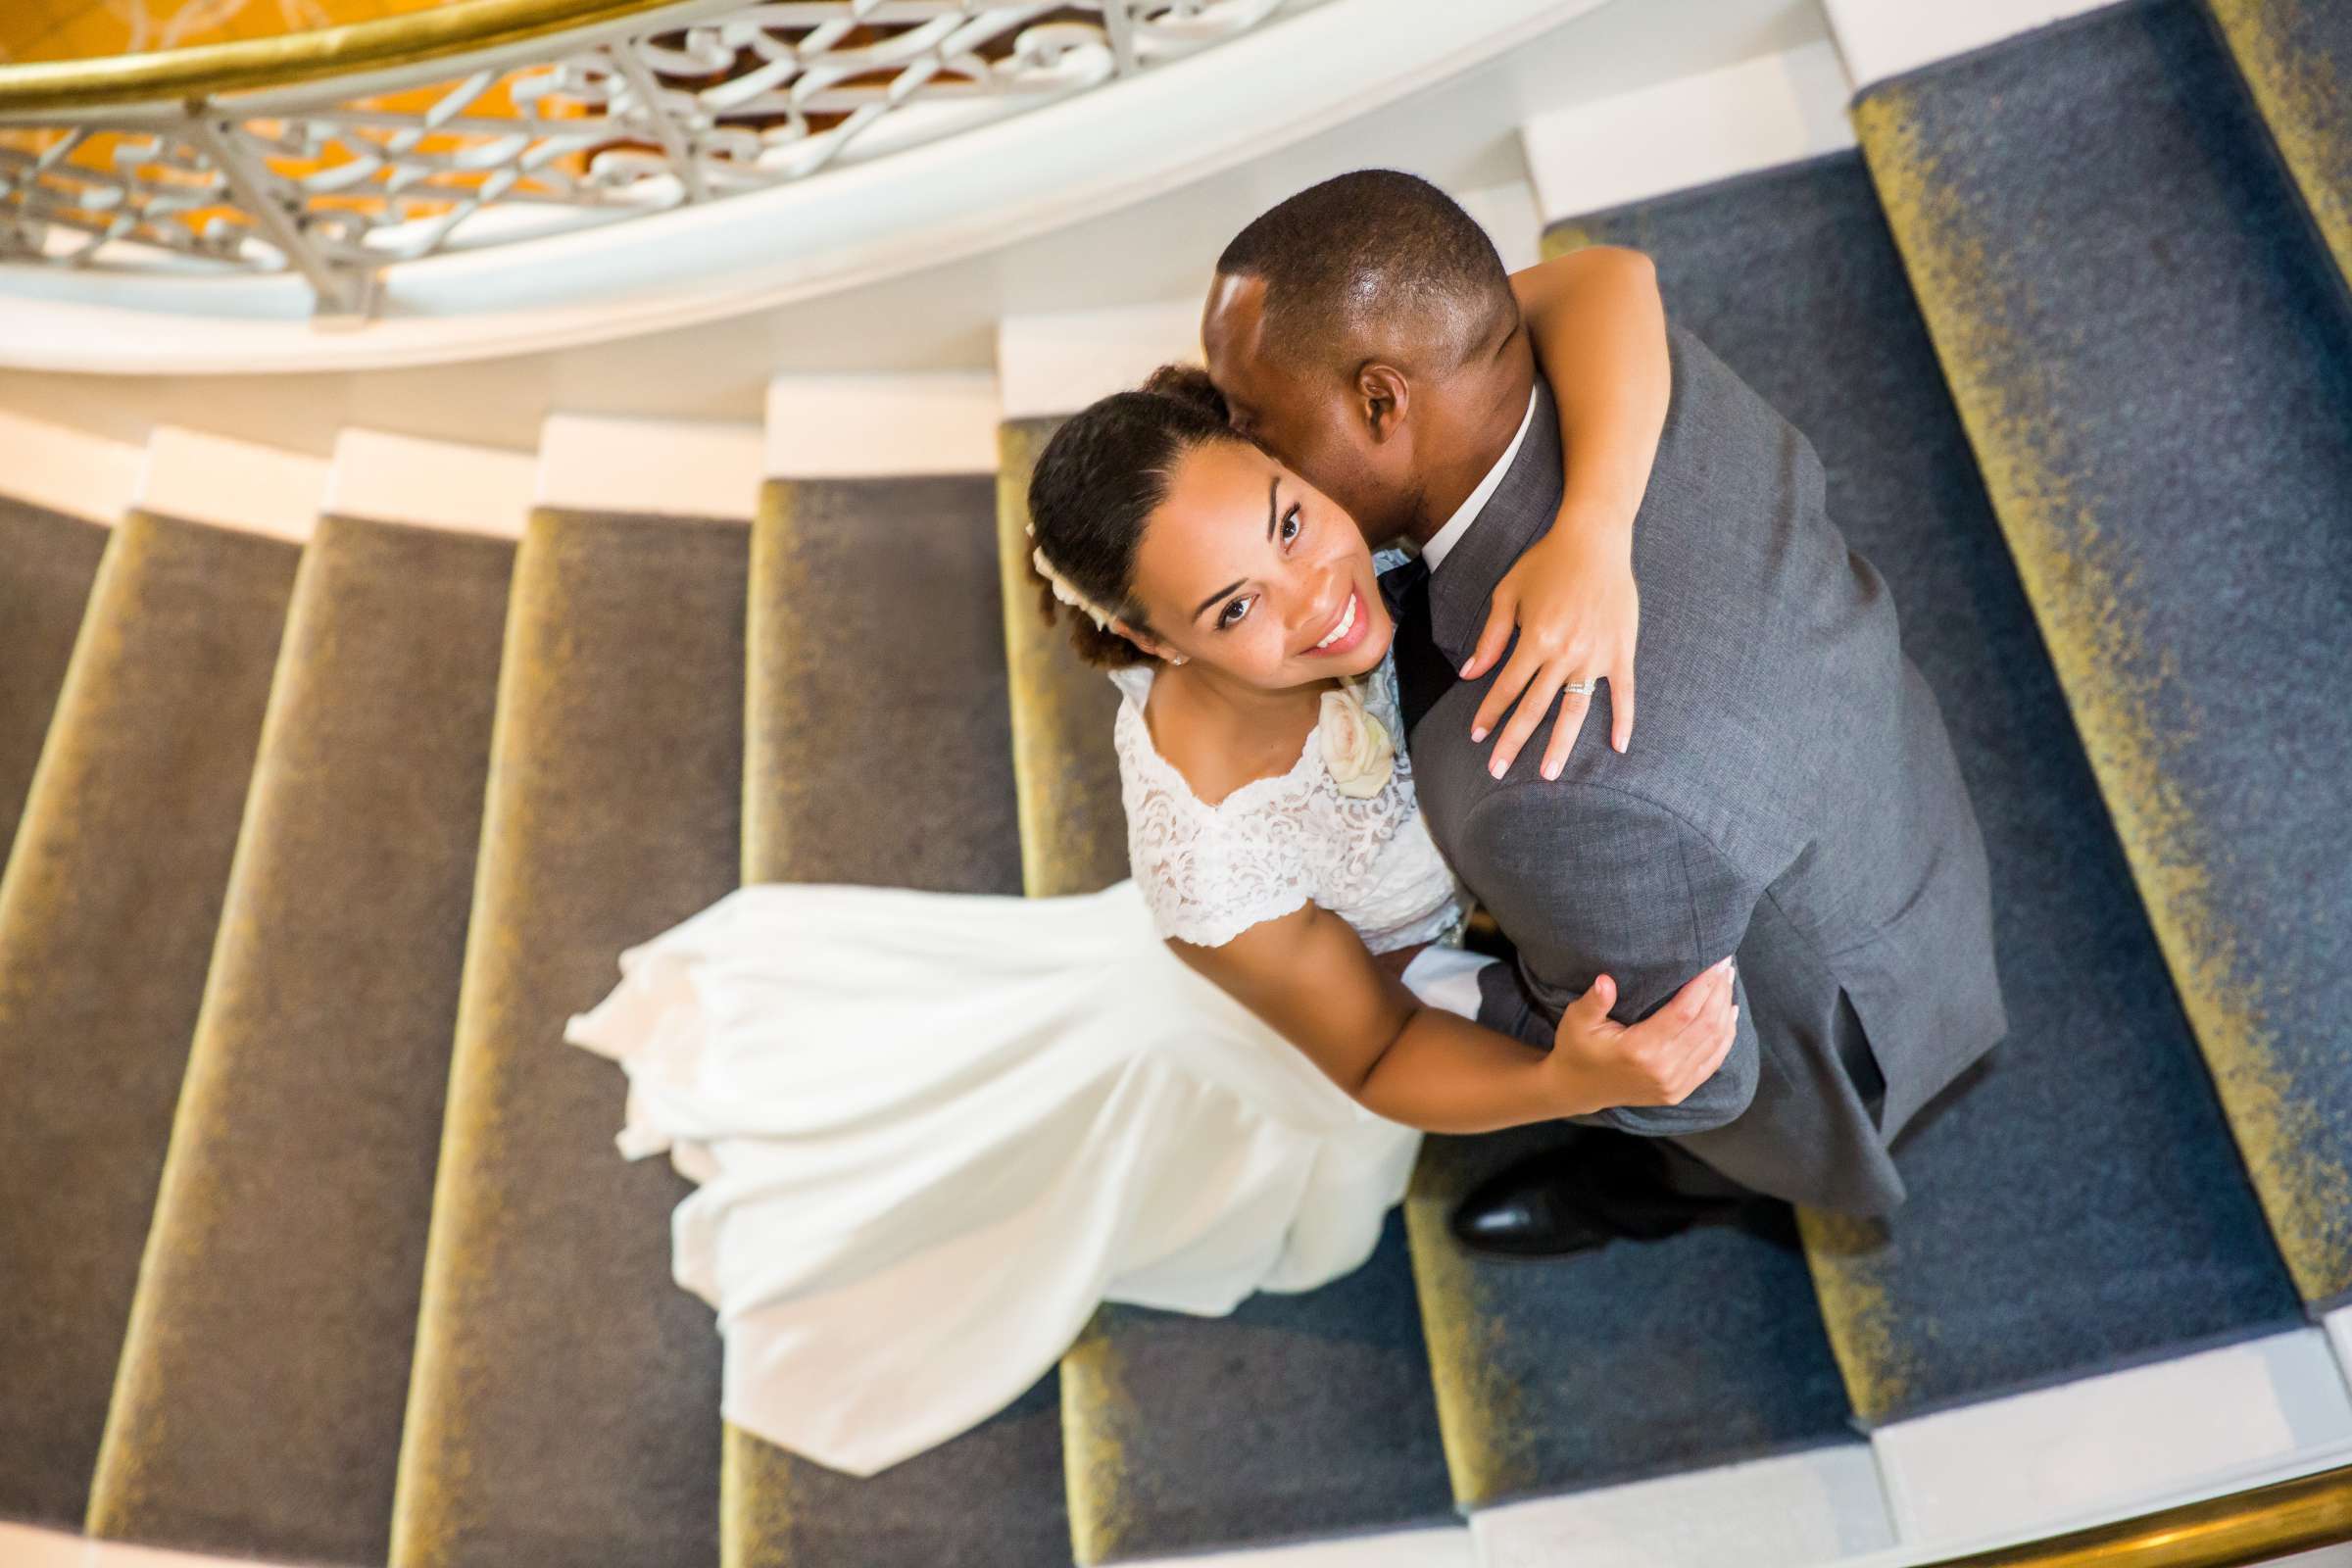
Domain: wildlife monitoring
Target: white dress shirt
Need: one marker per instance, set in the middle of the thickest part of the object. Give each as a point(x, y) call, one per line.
point(1433, 553)
point(1448, 977)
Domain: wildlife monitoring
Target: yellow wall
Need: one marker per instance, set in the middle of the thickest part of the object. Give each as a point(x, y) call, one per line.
point(73, 29)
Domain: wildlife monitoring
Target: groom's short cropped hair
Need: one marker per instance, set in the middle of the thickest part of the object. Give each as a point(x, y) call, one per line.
point(1368, 254)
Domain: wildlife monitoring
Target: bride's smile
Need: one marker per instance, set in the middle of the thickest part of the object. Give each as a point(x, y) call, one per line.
point(1248, 570)
point(1346, 631)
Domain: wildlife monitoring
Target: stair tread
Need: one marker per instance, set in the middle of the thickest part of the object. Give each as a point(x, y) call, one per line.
point(878, 752)
point(2295, 56)
point(1073, 826)
point(52, 561)
point(2154, 363)
point(1293, 1417)
point(107, 916)
point(2054, 1227)
point(259, 1403)
point(880, 744)
point(1616, 1365)
point(563, 1406)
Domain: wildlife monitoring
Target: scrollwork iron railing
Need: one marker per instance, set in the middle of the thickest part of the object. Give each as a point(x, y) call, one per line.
point(336, 174)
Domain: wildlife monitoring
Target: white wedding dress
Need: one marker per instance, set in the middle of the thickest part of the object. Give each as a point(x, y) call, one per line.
point(932, 1131)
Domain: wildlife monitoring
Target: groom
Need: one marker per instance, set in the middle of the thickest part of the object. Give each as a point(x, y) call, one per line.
point(1792, 796)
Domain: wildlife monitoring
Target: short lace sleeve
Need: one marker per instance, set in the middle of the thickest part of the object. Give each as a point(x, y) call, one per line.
point(1208, 873)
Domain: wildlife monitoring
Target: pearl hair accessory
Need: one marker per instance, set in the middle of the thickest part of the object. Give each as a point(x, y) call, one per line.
point(1063, 589)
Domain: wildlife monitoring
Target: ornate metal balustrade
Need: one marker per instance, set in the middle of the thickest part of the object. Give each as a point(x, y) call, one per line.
point(336, 153)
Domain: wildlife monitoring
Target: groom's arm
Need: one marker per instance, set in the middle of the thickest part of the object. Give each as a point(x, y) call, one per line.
point(1588, 880)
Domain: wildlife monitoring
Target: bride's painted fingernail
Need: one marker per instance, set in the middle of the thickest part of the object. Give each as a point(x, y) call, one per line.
point(1498, 767)
point(1477, 732)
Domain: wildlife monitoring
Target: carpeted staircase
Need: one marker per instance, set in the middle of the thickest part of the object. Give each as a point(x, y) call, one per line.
point(310, 1119)
point(2293, 54)
point(315, 1246)
point(116, 877)
point(2055, 1225)
point(877, 751)
point(556, 1409)
point(2156, 371)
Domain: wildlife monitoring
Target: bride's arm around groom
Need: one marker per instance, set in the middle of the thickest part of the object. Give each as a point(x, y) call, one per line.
point(1308, 975)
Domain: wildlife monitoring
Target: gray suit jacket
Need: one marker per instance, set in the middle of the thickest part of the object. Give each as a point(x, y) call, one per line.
point(1790, 795)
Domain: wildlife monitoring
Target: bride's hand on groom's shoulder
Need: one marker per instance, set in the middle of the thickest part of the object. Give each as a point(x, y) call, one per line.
point(1572, 599)
point(1601, 1063)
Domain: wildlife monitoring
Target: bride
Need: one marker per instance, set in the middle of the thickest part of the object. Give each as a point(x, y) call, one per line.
point(932, 1132)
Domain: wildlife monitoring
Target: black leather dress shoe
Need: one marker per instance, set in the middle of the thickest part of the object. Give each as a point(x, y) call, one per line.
point(1522, 1212)
point(1580, 1195)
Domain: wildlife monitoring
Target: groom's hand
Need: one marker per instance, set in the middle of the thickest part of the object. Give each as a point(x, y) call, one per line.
point(1602, 1063)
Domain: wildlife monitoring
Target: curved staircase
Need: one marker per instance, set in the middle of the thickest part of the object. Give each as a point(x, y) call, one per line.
point(333, 788)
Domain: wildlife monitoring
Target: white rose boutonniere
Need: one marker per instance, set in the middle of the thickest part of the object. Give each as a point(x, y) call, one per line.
point(1356, 745)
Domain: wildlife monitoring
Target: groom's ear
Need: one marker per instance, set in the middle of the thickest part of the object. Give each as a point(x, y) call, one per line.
point(1381, 394)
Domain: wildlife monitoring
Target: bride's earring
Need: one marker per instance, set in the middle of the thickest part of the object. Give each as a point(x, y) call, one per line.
point(1176, 658)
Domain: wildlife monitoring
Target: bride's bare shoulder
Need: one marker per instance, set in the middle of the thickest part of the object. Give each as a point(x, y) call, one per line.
point(1213, 755)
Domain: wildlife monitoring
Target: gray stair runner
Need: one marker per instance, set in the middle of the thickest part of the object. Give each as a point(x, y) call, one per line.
point(1634, 1360)
point(2055, 1227)
point(259, 1403)
point(2296, 58)
point(108, 909)
point(45, 586)
point(2153, 360)
point(879, 752)
point(564, 1407)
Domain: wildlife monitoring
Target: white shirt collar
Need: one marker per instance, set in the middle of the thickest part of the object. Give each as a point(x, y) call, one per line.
point(1433, 553)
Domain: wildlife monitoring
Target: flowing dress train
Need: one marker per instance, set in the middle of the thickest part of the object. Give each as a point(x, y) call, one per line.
point(931, 1132)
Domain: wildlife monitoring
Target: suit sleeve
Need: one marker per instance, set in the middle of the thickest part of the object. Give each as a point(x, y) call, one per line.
point(1632, 891)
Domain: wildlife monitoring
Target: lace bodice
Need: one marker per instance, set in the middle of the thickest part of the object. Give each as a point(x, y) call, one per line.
point(1211, 872)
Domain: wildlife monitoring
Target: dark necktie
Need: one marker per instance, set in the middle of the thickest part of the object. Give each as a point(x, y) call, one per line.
point(1422, 672)
point(1407, 577)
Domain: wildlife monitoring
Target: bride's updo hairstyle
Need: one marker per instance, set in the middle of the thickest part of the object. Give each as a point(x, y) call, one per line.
point(1097, 484)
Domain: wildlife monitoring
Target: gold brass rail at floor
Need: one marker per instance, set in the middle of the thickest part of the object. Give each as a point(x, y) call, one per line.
point(2246, 1527)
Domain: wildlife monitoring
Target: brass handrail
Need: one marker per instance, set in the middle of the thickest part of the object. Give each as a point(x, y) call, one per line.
point(205, 71)
point(2238, 1528)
